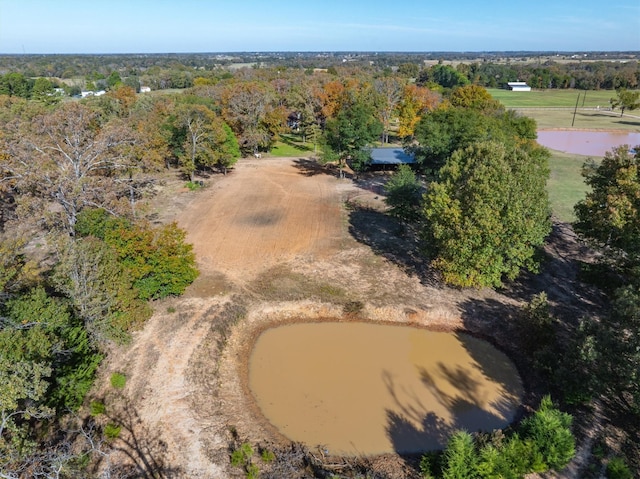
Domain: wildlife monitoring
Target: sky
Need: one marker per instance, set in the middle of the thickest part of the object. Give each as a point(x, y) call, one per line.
point(190, 26)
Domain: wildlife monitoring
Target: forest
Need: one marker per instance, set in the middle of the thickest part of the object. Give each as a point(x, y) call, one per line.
point(84, 259)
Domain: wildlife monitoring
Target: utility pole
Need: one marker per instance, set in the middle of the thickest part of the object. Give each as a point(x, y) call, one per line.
point(575, 110)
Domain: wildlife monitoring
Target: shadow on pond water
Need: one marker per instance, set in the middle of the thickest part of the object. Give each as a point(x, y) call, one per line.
point(414, 427)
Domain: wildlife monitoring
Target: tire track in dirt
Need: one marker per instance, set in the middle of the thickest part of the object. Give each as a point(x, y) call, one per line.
point(161, 392)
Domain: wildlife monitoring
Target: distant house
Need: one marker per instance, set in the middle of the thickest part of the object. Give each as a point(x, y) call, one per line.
point(518, 86)
point(85, 94)
point(145, 89)
point(390, 156)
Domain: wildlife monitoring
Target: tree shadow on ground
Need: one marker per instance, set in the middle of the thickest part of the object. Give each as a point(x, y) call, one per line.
point(560, 276)
point(288, 140)
point(389, 238)
point(145, 450)
point(309, 167)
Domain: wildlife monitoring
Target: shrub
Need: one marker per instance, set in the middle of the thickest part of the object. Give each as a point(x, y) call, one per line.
point(460, 458)
point(403, 194)
point(118, 380)
point(112, 431)
point(97, 408)
point(617, 469)
point(267, 456)
point(549, 430)
point(242, 456)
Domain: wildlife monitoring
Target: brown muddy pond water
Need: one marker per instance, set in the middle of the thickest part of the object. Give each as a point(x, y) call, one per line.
point(362, 388)
point(589, 143)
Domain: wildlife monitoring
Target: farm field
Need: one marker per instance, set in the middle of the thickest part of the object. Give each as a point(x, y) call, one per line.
point(553, 98)
point(549, 119)
point(554, 109)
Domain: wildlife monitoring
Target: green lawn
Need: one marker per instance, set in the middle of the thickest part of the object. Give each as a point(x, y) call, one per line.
point(291, 146)
point(552, 98)
point(566, 185)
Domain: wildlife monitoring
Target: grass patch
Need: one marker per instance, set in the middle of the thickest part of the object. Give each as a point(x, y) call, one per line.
point(553, 98)
point(97, 408)
point(281, 284)
point(118, 380)
point(566, 185)
point(291, 146)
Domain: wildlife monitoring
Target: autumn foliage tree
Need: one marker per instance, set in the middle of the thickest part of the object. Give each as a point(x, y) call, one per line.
point(415, 102)
point(476, 97)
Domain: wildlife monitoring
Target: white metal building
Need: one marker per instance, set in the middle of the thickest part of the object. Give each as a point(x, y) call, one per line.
point(518, 86)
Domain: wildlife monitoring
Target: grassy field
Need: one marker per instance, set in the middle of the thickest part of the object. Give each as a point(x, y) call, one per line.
point(566, 186)
point(553, 98)
point(548, 118)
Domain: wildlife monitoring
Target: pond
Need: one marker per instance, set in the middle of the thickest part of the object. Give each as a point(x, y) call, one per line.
point(362, 388)
point(589, 143)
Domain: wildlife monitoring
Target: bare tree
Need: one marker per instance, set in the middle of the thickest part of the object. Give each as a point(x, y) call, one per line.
point(68, 158)
point(389, 93)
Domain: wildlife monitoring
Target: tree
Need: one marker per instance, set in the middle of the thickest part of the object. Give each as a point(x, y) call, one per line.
point(43, 91)
point(416, 101)
point(609, 216)
point(610, 213)
point(409, 70)
point(229, 149)
point(16, 271)
point(626, 100)
point(203, 134)
point(444, 75)
point(15, 84)
point(244, 108)
point(388, 92)
point(100, 288)
point(445, 130)
point(157, 260)
point(616, 343)
point(68, 157)
point(403, 194)
point(476, 97)
point(354, 128)
point(114, 80)
point(487, 212)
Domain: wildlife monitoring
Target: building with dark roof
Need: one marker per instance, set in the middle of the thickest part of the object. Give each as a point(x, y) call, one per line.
point(390, 156)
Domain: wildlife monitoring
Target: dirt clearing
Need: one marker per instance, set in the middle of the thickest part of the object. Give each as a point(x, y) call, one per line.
point(279, 240)
point(265, 213)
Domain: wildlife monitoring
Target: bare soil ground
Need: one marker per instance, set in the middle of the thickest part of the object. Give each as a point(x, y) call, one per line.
point(278, 240)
